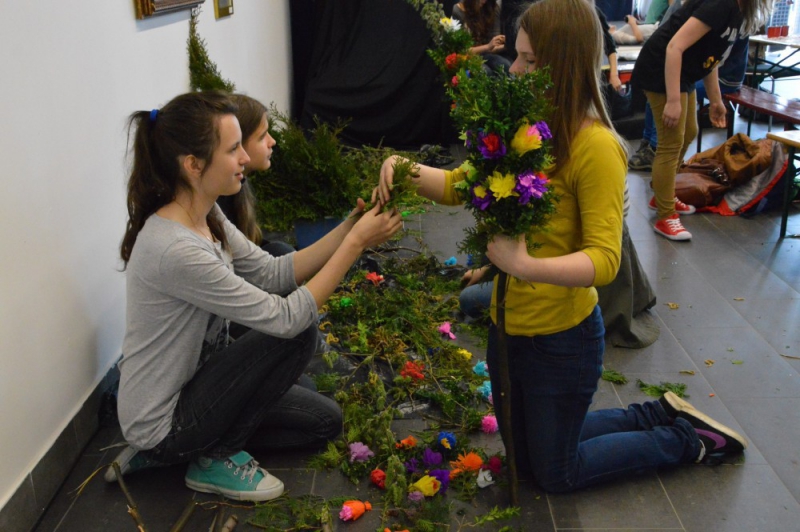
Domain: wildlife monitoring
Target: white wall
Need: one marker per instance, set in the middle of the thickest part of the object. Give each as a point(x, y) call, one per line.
point(70, 74)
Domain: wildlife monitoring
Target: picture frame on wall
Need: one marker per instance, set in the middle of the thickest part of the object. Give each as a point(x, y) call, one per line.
point(152, 8)
point(223, 8)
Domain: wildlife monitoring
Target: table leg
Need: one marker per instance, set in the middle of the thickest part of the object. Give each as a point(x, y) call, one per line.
point(787, 192)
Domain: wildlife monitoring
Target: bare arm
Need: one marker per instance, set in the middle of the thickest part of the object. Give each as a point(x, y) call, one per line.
point(716, 110)
point(691, 32)
point(511, 256)
point(613, 73)
point(430, 181)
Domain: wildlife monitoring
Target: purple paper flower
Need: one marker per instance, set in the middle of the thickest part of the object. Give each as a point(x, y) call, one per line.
point(530, 185)
point(412, 466)
point(431, 458)
point(544, 130)
point(443, 476)
point(360, 452)
point(491, 145)
point(416, 496)
point(481, 197)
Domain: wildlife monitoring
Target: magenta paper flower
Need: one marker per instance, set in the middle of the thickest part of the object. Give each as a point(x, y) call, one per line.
point(491, 145)
point(346, 513)
point(360, 452)
point(444, 328)
point(489, 424)
point(530, 185)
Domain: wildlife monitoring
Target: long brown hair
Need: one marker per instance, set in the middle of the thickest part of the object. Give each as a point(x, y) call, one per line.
point(250, 114)
point(755, 14)
point(187, 125)
point(566, 36)
point(480, 19)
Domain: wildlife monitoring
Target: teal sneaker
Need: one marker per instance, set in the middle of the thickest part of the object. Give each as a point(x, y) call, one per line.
point(236, 477)
point(129, 460)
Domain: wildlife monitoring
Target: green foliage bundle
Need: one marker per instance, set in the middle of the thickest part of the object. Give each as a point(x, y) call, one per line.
point(203, 72)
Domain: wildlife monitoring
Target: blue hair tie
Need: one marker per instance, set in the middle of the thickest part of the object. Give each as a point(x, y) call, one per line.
point(153, 115)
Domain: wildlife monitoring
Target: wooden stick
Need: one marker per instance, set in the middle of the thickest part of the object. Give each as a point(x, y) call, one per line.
point(132, 508)
point(184, 518)
point(230, 524)
point(506, 429)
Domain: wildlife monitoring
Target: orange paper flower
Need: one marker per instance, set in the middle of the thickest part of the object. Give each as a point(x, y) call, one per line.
point(467, 462)
point(408, 443)
point(352, 510)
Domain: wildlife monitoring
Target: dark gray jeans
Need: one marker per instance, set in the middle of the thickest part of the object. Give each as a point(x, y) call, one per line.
point(246, 396)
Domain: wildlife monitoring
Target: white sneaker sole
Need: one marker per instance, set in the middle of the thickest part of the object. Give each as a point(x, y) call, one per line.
point(123, 459)
point(685, 235)
point(256, 496)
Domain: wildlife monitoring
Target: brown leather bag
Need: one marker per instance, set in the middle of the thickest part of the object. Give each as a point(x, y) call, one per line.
point(702, 182)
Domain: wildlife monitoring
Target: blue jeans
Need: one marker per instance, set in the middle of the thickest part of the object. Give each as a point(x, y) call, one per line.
point(242, 388)
point(649, 134)
point(557, 439)
point(476, 299)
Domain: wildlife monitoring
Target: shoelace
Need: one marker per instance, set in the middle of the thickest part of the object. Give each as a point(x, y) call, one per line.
point(681, 205)
point(675, 225)
point(248, 470)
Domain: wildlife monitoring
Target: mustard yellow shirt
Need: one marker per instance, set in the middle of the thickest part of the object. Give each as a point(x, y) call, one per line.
point(588, 218)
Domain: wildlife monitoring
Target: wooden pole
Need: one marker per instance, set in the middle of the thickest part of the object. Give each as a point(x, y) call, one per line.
point(133, 510)
point(506, 430)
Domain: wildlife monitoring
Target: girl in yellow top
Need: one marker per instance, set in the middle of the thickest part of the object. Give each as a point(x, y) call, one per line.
point(555, 330)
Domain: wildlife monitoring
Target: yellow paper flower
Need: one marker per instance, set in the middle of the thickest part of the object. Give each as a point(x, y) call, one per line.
point(502, 186)
point(427, 485)
point(464, 353)
point(479, 192)
point(526, 138)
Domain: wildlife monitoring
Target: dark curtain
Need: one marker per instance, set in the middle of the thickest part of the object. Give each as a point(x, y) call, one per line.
point(369, 64)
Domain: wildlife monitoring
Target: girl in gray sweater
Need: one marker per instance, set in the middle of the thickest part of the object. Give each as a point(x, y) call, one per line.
point(187, 393)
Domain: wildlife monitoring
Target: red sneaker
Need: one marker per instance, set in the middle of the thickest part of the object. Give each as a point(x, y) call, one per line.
point(680, 207)
point(672, 228)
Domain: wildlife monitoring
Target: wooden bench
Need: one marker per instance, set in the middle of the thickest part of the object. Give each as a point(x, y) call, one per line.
point(772, 105)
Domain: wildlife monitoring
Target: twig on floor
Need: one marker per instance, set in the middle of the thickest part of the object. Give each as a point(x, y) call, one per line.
point(184, 518)
point(132, 508)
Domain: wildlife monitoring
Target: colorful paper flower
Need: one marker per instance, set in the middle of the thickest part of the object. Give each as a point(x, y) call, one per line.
point(484, 478)
point(415, 496)
point(530, 185)
point(544, 130)
point(452, 261)
point(526, 138)
point(468, 462)
point(407, 443)
point(485, 389)
point(494, 464)
point(447, 440)
point(491, 145)
point(352, 510)
point(412, 466)
point(444, 329)
point(360, 452)
point(481, 369)
point(443, 476)
point(489, 424)
point(450, 24)
point(464, 353)
point(345, 302)
point(481, 197)
point(451, 61)
point(454, 81)
point(413, 370)
point(378, 477)
point(502, 186)
point(431, 458)
point(427, 485)
point(375, 278)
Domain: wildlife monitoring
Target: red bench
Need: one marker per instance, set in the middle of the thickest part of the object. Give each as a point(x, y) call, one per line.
point(772, 105)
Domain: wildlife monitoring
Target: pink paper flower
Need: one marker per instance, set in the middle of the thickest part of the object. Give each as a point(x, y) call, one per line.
point(444, 328)
point(489, 424)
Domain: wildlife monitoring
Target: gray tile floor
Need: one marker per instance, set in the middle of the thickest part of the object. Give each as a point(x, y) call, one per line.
point(738, 293)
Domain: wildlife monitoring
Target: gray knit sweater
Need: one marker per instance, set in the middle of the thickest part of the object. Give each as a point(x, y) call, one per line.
point(181, 292)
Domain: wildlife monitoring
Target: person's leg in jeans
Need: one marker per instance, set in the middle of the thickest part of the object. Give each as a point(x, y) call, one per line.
point(649, 134)
point(553, 380)
point(475, 300)
point(229, 396)
point(302, 418)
